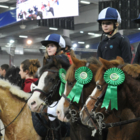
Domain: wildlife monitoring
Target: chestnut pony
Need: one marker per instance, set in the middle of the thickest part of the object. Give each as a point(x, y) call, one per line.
point(67, 110)
point(128, 98)
point(12, 100)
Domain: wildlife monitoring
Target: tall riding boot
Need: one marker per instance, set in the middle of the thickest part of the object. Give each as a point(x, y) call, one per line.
point(55, 125)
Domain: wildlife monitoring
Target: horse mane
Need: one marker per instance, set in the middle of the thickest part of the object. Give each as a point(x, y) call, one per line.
point(13, 76)
point(15, 90)
point(107, 65)
point(133, 70)
point(71, 71)
point(55, 62)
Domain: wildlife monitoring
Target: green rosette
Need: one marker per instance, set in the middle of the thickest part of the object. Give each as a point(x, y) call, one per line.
point(62, 75)
point(83, 76)
point(113, 77)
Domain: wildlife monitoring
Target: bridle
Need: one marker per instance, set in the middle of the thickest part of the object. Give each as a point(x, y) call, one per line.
point(73, 114)
point(51, 93)
point(99, 117)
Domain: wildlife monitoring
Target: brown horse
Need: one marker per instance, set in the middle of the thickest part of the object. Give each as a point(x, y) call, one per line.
point(12, 100)
point(128, 97)
point(64, 109)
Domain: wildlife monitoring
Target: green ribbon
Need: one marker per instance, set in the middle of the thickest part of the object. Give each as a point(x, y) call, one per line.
point(83, 75)
point(62, 75)
point(113, 77)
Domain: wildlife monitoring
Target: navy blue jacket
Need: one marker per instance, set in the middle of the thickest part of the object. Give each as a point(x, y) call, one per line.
point(117, 45)
point(137, 56)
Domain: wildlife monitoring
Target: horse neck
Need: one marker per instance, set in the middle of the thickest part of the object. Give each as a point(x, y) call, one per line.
point(10, 106)
point(129, 96)
point(125, 131)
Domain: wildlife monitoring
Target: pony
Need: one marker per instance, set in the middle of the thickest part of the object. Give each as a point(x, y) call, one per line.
point(67, 110)
point(47, 90)
point(12, 101)
point(128, 101)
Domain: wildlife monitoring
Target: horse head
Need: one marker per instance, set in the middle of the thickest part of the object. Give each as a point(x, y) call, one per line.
point(116, 89)
point(74, 96)
point(47, 90)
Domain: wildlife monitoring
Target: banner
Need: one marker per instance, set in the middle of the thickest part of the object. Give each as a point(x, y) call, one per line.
point(7, 18)
point(44, 9)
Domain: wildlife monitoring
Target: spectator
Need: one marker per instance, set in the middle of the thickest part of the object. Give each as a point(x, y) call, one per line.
point(28, 69)
point(3, 70)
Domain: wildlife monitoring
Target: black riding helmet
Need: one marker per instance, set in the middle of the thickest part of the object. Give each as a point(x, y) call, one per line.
point(57, 39)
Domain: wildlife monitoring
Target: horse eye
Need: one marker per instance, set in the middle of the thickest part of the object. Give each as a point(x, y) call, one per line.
point(52, 80)
point(99, 87)
point(70, 84)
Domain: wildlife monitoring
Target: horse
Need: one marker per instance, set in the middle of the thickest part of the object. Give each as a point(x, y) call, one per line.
point(128, 100)
point(18, 126)
point(47, 90)
point(67, 110)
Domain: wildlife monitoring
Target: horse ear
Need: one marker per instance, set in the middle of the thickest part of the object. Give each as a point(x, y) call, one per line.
point(120, 59)
point(75, 61)
point(106, 63)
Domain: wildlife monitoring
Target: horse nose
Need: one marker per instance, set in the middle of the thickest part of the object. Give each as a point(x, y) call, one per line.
point(33, 103)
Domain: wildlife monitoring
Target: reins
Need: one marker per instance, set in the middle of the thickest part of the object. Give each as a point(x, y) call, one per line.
point(16, 116)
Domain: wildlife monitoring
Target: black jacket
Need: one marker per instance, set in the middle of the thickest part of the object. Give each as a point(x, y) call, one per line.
point(117, 45)
point(137, 56)
point(60, 57)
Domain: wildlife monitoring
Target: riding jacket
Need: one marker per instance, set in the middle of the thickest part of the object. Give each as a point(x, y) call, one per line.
point(117, 45)
point(137, 56)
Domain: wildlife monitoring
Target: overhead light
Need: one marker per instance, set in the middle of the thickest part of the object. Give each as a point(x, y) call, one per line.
point(85, 2)
point(29, 42)
point(23, 36)
point(87, 46)
point(95, 35)
point(74, 45)
point(91, 33)
point(4, 6)
point(22, 26)
point(138, 28)
point(81, 42)
point(11, 41)
point(4, 0)
point(11, 8)
point(81, 32)
point(53, 28)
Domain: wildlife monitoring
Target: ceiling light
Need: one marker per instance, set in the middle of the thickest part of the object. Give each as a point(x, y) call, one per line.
point(4, 6)
point(53, 28)
point(91, 34)
point(138, 28)
point(85, 2)
point(23, 36)
point(22, 26)
point(87, 46)
point(11, 41)
point(74, 45)
point(29, 42)
point(81, 42)
point(81, 32)
point(4, 0)
point(11, 8)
